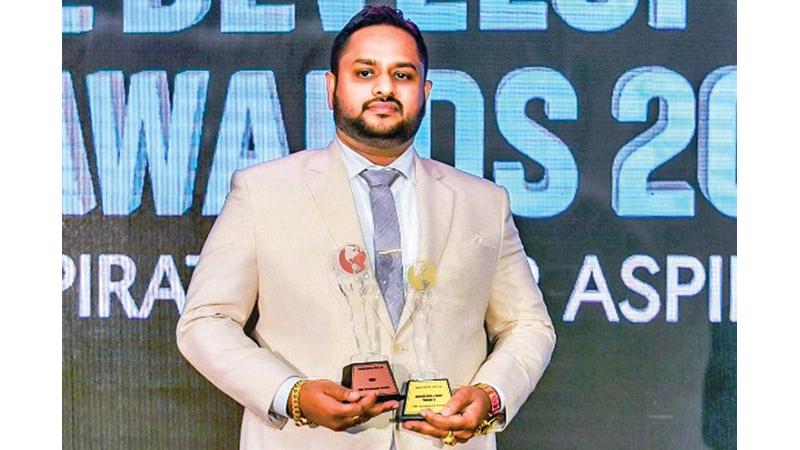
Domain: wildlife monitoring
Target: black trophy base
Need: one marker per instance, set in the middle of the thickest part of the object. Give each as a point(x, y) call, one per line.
point(373, 376)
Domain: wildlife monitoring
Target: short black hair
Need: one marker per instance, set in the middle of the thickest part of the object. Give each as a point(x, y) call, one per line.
point(377, 15)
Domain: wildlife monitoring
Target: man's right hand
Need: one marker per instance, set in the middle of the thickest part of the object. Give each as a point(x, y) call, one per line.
point(334, 406)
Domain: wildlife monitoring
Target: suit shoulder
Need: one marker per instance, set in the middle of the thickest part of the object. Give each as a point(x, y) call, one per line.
point(284, 164)
point(461, 180)
point(285, 172)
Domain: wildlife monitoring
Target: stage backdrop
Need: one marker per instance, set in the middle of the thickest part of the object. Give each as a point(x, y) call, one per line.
point(611, 123)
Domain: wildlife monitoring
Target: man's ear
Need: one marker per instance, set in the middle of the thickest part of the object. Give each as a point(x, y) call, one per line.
point(330, 85)
point(428, 86)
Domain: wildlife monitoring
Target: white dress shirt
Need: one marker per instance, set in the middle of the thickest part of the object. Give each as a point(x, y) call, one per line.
point(404, 191)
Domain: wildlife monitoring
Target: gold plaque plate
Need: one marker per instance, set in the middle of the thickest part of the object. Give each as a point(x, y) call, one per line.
point(424, 394)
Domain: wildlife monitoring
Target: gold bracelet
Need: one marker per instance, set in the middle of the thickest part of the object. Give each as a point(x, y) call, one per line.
point(486, 426)
point(294, 401)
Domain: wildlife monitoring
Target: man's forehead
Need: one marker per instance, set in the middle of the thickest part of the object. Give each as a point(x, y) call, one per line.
point(381, 44)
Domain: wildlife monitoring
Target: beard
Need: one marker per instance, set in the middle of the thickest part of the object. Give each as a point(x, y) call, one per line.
point(378, 137)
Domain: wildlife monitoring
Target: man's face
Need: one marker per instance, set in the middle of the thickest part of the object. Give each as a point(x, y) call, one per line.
point(378, 97)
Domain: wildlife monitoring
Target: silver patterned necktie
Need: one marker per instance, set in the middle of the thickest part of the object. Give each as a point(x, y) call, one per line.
point(386, 239)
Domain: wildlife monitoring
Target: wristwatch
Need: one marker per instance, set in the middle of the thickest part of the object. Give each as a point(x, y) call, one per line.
point(495, 409)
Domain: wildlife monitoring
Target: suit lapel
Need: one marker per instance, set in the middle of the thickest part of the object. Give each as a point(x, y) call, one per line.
point(436, 200)
point(327, 181)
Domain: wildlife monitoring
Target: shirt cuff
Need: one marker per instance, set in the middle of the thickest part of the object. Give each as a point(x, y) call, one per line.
point(282, 397)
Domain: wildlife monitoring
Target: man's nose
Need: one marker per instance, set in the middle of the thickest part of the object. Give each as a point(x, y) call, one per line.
point(383, 86)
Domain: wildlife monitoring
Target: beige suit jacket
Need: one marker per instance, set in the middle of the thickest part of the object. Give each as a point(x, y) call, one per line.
point(271, 247)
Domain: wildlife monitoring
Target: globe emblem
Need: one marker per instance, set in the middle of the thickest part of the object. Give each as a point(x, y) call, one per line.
point(352, 259)
point(422, 275)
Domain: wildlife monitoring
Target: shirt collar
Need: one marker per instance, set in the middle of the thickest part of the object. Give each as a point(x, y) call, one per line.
point(354, 163)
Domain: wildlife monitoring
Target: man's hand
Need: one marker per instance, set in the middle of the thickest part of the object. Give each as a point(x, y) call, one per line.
point(334, 406)
point(462, 415)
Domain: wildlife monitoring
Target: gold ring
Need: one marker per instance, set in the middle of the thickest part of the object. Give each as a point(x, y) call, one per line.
point(356, 418)
point(449, 439)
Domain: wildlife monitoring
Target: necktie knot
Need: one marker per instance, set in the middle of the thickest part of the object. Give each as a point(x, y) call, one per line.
point(379, 177)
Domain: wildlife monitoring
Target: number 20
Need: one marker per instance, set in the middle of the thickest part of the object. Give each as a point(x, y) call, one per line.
point(632, 193)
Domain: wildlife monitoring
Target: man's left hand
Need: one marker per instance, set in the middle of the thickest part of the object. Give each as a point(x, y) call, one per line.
point(462, 415)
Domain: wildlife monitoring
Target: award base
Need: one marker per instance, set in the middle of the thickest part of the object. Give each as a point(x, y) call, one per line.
point(373, 376)
point(423, 394)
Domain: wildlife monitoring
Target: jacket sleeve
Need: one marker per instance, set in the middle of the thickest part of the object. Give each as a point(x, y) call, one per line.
point(517, 322)
point(221, 296)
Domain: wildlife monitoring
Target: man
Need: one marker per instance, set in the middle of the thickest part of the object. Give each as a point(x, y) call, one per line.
point(272, 246)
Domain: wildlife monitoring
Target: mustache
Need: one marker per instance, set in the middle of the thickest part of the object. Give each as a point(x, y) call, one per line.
point(387, 99)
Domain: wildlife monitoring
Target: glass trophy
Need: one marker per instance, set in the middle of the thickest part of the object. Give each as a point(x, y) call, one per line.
point(427, 388)
point(368, 370)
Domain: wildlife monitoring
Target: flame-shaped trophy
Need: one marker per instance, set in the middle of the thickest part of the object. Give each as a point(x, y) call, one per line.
point(427, 388)
point(368, 370)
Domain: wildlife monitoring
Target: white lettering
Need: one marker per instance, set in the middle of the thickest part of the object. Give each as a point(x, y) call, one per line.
point(590, 270)
point(715, 288)
point(67, 272)
point(733, 289)
point(676, 289)
point(653, 306)
point(120, 287)
point(174, 291)
point(85, 293)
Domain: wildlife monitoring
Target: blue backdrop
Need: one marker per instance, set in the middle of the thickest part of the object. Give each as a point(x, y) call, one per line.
point(611, 123)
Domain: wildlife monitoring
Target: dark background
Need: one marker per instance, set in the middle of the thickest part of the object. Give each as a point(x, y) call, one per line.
point(609, 385)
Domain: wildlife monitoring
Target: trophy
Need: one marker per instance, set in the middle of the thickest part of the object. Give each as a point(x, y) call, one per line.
point(368, 371)
point(427, 388)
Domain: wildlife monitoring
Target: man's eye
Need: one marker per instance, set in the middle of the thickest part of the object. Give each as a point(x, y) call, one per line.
point(364, 73)
point(402, 76)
